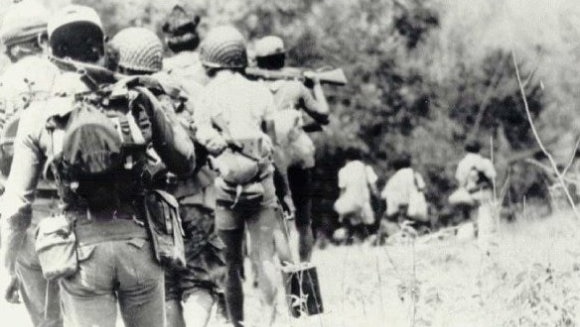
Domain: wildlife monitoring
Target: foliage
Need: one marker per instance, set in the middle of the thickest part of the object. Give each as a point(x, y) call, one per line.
point(424, 76)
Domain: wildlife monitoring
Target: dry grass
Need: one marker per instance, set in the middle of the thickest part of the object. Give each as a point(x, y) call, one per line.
point(530, 278)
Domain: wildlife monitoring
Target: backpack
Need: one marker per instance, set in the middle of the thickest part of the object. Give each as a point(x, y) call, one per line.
point(95, 151)
point(100, 156)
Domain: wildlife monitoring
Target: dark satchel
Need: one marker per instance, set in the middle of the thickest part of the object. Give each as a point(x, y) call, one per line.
point(164, 225)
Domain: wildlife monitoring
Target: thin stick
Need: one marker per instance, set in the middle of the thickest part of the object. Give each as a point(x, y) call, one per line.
point(496, 204)
point(382, 303)
point(539, 141)
point(572, 157)
point(547, 170)
point(414, 286)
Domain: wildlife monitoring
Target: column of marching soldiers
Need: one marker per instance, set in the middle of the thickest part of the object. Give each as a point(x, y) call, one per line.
point(139, 182)
point(131, 181)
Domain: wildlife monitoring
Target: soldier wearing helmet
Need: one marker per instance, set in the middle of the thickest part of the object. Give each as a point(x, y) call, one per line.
point(30, 78)
point(234, 122)
point(190, 293)
point(182, 38)
point(295, 157)
point(111, 259)
point(23, 29)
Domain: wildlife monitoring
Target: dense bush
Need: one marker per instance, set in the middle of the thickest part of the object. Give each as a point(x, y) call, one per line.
point(424, 76)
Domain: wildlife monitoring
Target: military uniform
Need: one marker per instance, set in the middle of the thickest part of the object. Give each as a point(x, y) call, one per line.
point(186, 66)
point(476, 175)
point(115, 258)
point(298, 112)
point(29, 79)
point(140, 50)
point(296, 151)
point(233, 110)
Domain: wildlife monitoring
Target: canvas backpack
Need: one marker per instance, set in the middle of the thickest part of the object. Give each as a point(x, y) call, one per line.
point(95, 150)
point(100, 156)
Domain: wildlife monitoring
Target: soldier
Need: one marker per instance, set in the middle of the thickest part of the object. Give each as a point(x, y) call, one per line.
point(295, 160)
point(475, 174)
point(191, 292)
point(181, 37)
point(357, 182)
point(232, 117)
point(97, 249)
point(398, 193)
point(29, 79)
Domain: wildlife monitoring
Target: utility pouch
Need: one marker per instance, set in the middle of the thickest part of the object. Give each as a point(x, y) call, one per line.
point(56, 246)
point(248, 195)
point(165, 229)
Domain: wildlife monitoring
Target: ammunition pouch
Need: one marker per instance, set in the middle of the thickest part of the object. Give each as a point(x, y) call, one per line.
point(56, 246)
point(161, 211)
point(249, 195)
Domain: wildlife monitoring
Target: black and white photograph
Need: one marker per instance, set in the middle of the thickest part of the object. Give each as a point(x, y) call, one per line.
point(304, 163)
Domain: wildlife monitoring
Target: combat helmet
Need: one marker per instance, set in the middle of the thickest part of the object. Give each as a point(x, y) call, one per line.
point(138, 50)
point(76, 32)
point(269, 46)
point(224, 47)
point(23, 22)
point(180, 30)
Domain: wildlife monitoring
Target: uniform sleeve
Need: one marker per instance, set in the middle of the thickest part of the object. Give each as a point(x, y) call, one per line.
point(487, 169)
point(307, 100)
point(462, 173)
point(314, 108)
point(341, 181)
point(420, 182)
point(202, 117)
point(269, 115)
point(170, 140)
point(269, 105)
point(372, 177)
point(20, 188)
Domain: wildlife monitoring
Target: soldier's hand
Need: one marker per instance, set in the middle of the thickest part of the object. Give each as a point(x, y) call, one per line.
point(311, 79)
point(216, 145)
point(10, 290)
point(289, 205)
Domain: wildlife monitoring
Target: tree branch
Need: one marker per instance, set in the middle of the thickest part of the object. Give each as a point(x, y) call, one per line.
point(539, 140)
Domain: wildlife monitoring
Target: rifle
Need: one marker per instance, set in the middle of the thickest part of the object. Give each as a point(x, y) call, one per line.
point(93, 76)
point(332, 76)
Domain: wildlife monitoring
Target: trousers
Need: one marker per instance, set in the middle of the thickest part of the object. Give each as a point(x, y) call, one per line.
point(116, 264)
point(40, 297)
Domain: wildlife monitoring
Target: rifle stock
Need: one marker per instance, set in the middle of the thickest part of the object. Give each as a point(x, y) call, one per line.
point(332, 77)
point(91, 74)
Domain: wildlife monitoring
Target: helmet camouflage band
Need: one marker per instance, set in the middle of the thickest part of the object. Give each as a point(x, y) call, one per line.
point(139, 49)
point(224, 47)
point(23, 22)
point(269, 46)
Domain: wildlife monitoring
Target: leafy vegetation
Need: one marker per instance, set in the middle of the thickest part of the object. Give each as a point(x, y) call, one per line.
point(424, 76)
